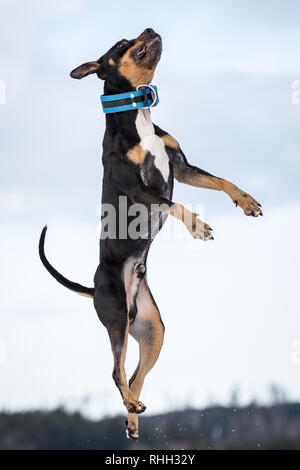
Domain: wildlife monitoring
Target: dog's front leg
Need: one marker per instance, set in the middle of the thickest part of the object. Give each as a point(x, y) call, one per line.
point(194, 176)
point(132, 185)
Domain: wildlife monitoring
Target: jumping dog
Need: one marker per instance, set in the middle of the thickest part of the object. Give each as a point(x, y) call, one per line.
point(140, 163)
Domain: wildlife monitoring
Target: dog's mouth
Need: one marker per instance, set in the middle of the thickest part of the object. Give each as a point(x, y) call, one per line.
point(151, 44)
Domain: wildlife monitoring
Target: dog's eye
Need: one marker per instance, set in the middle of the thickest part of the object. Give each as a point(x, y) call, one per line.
point(122, 43)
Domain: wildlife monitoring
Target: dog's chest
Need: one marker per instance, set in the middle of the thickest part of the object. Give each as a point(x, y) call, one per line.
point(152, 143)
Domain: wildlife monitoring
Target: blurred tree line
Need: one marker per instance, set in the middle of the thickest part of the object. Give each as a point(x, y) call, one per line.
point(251, 427)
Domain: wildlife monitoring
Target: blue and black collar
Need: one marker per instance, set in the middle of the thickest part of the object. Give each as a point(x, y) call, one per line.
point(145, 96)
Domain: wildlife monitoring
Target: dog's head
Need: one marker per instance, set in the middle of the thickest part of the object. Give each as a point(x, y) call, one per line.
point(127, 63)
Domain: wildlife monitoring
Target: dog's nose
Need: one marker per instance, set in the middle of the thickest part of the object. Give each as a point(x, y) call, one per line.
point(149, 31)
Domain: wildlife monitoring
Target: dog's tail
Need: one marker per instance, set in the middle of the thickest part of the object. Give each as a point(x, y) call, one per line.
point(78, 288)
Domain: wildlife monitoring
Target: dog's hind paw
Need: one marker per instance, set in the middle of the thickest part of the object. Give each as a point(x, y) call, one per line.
point(131, 431)
point(132, 426)
point(136, 407)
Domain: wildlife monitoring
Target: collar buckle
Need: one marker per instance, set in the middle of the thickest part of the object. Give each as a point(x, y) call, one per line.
point(152, 95)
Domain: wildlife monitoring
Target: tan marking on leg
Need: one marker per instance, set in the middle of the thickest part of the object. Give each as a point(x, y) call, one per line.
point(148, 331)
point(249, 205)
point(137, 154)
point(119, 353)
point(124, 389)
point(195, 226)
point(209, 182)
point(169, 141)
point(183, 214)
point(200, 181)
point(229, 188)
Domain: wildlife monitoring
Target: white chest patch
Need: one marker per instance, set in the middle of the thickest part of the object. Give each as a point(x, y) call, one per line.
point(151, 142)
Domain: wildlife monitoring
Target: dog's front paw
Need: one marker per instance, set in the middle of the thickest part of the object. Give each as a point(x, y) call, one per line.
point(249, 205)
point(199, 229)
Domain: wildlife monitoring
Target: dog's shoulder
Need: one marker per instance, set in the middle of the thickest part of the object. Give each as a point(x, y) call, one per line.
point(168, 139)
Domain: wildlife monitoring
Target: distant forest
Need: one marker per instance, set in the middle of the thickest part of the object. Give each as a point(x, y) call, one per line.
point(251, 427)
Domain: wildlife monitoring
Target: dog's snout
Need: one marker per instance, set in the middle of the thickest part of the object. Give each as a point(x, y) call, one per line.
point(149, 33)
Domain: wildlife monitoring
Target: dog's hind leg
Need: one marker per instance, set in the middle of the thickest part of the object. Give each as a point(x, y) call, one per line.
point(111, 306)
point(148, 330)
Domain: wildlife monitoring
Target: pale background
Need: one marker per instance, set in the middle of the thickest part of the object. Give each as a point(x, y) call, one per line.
point(230, 306)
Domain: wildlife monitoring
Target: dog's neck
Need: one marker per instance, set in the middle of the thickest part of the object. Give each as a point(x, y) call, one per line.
point(143, 123)
point(128, 123)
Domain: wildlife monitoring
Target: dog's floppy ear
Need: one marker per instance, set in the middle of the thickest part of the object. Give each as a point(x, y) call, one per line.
point(85, 69)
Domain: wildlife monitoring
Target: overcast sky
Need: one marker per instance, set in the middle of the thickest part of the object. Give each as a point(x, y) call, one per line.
point(230, 306)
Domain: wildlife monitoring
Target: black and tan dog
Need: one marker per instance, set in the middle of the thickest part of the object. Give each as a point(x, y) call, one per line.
point(140, 162)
